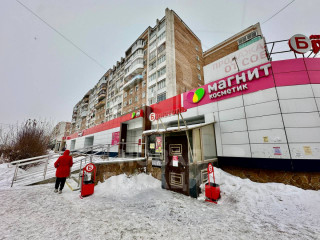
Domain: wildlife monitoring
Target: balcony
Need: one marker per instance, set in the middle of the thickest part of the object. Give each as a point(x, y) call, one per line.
point(101, 94)
point(136, 79)
point(84, 114)
point(138, 44)
point(103, 86)
point(135, 68)
point(100, 104)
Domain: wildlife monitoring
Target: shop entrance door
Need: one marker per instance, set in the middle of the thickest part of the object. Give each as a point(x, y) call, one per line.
point(177, 167)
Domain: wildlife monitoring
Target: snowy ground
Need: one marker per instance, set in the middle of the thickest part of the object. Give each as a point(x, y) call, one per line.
point(137, 208)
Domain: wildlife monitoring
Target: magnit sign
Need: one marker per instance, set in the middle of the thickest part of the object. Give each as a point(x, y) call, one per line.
point(251, 80)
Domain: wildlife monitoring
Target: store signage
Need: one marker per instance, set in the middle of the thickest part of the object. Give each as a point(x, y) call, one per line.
point(115, 138)
point(137, 114)
point(195, 97)
point(245, 58)
point(156, 116)
point(299, 43)
point(152, 117)
point(246, 81)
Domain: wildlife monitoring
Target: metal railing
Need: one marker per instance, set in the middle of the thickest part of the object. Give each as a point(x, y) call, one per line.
point(45, 170)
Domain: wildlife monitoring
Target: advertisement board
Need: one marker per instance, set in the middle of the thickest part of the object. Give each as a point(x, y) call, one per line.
point(245, 58)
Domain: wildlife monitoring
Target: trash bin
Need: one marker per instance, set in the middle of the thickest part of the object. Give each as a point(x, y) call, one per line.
point(88, 179)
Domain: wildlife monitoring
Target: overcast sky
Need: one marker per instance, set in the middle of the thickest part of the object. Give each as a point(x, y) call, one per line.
point(43, 76)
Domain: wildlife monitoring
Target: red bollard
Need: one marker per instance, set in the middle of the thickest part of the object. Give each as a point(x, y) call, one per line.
point(212, 190)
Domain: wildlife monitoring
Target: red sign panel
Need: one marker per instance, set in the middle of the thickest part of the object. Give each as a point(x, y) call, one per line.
point(115, 138)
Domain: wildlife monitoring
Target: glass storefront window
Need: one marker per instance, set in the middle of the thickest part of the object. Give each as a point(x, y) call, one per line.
point(208, 142)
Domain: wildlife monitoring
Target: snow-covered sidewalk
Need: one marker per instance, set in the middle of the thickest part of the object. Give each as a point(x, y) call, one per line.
point(137, 208)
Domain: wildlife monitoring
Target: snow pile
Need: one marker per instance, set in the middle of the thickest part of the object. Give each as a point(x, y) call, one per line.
point(136, 207)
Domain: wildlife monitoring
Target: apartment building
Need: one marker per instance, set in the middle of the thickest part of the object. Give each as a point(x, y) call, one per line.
point(165, 60)
point(59, 134)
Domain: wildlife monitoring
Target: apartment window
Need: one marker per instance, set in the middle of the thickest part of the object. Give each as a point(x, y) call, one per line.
point(161, 59)
point(125, 94)
point(161, 97)
point(152, 34)
point(125, 103)
point(197, 48)
point(198, 66)
point(162, 25)
point(152, 77)
point(161, 48)
point(162, 36)
point(143, 83)
point(143, 95)
point(143, 104)
point(131, 91)
point(161, 84)
point(145, 52)
point(198, 58)
point(199, 76)
point(152, 54)
point(161, 71)
point(151, 101)
point(153, 44)
point(144, 72)
point(137, 88)
point(136, 99)
point(130, 101)
point(152, 65)
point(153, 88)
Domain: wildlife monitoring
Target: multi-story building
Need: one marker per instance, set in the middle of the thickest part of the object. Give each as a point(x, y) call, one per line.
point(165, 60)
point(59, 133)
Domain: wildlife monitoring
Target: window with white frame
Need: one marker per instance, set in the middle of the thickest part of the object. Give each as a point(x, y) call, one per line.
point(161, 36)
point(143, 94)
point(153, 44)
point(197, 48)
point(125, 103)
point(161, 48)
point(198, 58)
point(125, 94)
point(131, 91)
point(152, 88)
point(198, 66)
point(152, 54)
point(161, 59)
point(143, 83)
point(136, 99)
point(152, 65)
point(199, 76)
point(161, 97)
point(161, 71)
point(152, 77)
point(130, 101)
point(162, 25)
point(137, 88)
point(161, 84)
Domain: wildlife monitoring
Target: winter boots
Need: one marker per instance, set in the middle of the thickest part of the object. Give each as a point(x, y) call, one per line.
point(55, 190)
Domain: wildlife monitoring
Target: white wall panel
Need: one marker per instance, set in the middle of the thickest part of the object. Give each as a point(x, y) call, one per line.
point(297, 91)
point(301, 119)
point(298, 105)
point(236, 150)
point(230, 103)
point(268, 150)
point(235, 138)
point(266, 122)
point(211, 107)
point(233, 126)
point(231, 114)
point(262, 109)
point(318, 103)
point(316, 90)
point(305, 150)
point(218, 138)
point(303, 135)
point(271, 136)
point(260, 96)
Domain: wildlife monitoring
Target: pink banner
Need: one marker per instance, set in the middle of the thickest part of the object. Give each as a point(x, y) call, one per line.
point(115, 138)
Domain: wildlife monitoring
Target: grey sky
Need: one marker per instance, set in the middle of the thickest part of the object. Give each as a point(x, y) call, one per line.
point(44, 76)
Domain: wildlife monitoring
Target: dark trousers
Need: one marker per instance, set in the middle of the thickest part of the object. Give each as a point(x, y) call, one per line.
point(61, 182)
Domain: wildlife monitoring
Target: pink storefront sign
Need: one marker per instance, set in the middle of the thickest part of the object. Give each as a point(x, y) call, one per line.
point(248, 81)
point(115, 138)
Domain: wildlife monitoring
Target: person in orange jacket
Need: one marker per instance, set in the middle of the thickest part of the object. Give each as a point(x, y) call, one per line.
point(63, 165)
